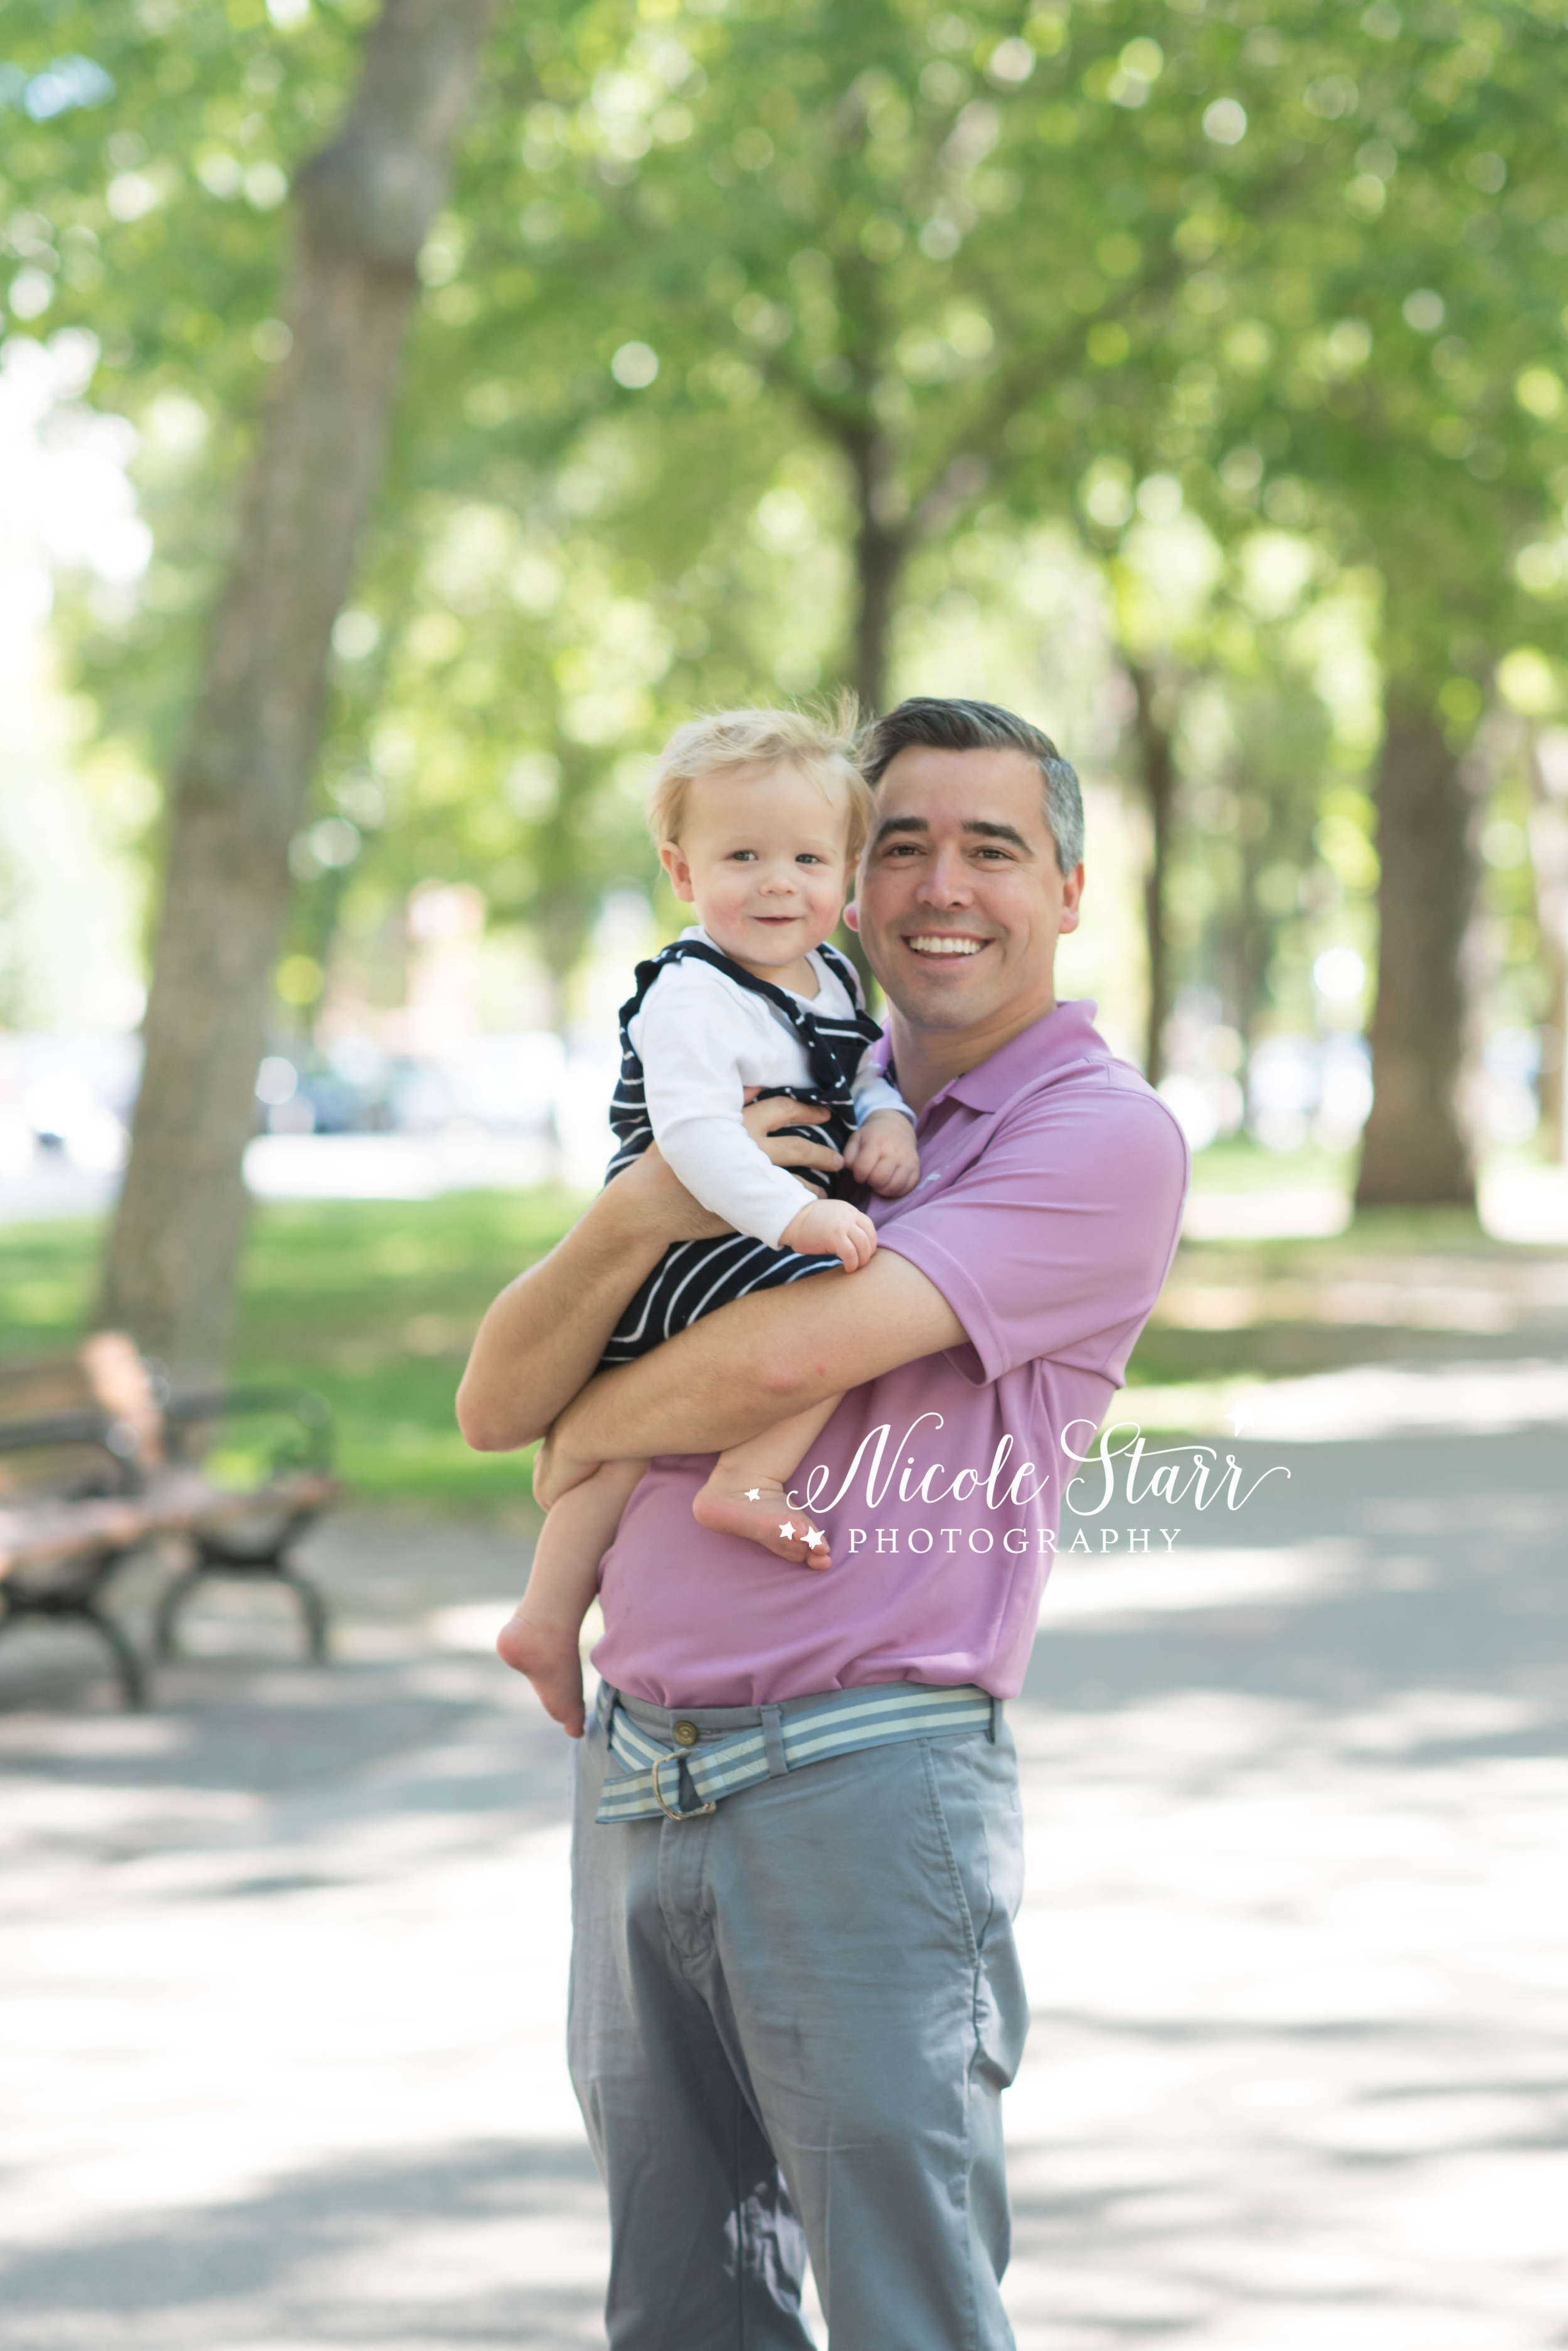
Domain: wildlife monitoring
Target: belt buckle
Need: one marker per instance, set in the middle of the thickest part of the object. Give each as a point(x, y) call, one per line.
point(668, 1810)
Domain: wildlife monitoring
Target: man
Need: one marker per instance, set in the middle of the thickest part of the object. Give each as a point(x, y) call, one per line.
point(795, 1998)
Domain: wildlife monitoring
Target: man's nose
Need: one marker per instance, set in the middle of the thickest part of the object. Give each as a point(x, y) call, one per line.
point(945, 880)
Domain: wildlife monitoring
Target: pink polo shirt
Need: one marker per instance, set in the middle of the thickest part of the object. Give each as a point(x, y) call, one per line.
point(1047, 1214)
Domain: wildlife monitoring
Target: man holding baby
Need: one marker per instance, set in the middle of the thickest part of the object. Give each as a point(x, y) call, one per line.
point(795, 1997)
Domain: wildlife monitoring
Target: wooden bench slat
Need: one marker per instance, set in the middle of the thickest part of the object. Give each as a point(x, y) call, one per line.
point(44, 1533)
point(184, 1498)
point(180, 1503)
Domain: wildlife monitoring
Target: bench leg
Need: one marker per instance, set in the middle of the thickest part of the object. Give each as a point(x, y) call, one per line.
point(312, 1607)
point(174, 1597)
point(127, 1664)
point(128, 1670)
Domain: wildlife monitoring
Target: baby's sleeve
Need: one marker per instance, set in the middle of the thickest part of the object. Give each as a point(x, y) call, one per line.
point(870, 1091)
point(689, 1041)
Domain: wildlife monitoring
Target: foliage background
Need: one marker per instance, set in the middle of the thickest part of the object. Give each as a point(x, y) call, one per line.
point(1107, 385)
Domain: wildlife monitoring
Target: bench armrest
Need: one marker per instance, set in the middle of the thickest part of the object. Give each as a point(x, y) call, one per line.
point(186, 1409)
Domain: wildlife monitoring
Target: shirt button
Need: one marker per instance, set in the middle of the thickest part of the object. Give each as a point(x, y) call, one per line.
point(686, 1734)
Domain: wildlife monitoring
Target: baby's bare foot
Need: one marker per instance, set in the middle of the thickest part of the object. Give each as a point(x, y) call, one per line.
point(549, 1654)
point(760, 1514)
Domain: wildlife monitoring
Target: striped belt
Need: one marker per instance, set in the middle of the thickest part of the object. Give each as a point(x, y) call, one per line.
point(684, 1780)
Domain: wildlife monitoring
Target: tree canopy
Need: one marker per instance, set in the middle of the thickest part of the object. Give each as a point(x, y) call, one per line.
point(753, 332)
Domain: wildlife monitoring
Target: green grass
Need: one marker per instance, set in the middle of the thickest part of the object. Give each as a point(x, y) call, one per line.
point(1239, 1165)
point(371, 1303)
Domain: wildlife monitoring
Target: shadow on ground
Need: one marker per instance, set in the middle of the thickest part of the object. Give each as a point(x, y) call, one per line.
point(286, 1956)
point(324, 2254)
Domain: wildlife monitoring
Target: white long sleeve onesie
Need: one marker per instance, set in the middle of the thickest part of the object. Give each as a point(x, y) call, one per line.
point(701, 1039)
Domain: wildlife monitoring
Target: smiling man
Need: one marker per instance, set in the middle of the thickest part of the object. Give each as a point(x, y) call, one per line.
point(796, 1999)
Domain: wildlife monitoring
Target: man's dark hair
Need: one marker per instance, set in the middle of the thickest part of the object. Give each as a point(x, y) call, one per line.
point(950, 726)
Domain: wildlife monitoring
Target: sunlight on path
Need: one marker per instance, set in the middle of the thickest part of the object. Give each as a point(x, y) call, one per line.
point(285, 1960)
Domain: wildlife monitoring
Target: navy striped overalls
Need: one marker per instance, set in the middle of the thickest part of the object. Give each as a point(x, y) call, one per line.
point(693, 1278)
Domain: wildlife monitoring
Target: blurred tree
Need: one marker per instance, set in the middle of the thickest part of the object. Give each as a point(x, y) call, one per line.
point(735, 313)
point(962, 258)
point(363, 205)
point(152, 151)
point(1365, 184)
point(1152, 733)
point(1389, 379)
point(1270, 801)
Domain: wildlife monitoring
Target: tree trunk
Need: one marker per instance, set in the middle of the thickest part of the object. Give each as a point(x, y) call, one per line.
point(1415, 1151)
point(1547, 766)
point(1156, 761)
point(363, 205)
point(564, 917)
point(1253, 948)
point(880, 546)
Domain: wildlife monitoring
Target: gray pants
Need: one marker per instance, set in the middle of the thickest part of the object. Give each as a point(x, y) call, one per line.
point(791, 2022)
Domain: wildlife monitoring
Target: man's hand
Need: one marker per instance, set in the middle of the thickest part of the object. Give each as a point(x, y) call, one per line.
point(833, 1228)
point(663, 1199)
point(761, 1118)
point(556, 1470)
point(881, 1153)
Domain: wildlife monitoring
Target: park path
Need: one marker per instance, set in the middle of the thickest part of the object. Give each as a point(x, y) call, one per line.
point(280, 2048)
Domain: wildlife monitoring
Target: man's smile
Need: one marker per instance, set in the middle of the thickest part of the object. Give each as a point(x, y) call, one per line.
point(944, 943)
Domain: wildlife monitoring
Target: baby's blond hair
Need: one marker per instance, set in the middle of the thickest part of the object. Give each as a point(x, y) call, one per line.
point(821, 748)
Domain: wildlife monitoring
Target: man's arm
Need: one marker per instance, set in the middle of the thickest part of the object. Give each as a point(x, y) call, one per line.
point(544, 1335)
point(755, 1363)
point(1057, 1236)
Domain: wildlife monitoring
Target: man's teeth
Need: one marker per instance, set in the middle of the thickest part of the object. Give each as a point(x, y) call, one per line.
point(948, 946)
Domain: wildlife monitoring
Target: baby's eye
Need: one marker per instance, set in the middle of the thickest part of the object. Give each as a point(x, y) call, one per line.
point(808, 857)
point(740, 856)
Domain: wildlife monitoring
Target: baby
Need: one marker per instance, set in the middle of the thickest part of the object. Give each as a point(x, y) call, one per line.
point(759, 817)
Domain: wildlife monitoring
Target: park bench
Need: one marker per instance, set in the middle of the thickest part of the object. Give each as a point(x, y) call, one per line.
point(99, 1458)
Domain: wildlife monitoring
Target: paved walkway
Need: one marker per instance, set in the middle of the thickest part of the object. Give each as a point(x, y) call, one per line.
point(284, 1958)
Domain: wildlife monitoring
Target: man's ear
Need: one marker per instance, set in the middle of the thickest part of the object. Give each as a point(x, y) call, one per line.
point(673, 858)
point(851, 916)
point(1071, 901)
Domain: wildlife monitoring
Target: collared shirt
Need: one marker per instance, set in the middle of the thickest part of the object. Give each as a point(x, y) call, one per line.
point(1047, 1214)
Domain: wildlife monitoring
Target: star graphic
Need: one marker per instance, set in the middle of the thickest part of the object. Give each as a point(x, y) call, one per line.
point(813, 1537)
point(754, 1493)
point(787, 1528)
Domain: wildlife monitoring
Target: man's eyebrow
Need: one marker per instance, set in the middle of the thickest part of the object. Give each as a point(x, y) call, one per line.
point(986, 830)
point(999, 832)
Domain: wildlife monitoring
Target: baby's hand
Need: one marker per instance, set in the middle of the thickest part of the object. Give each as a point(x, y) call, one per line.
point(881, 1153)
point(833, 1228)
